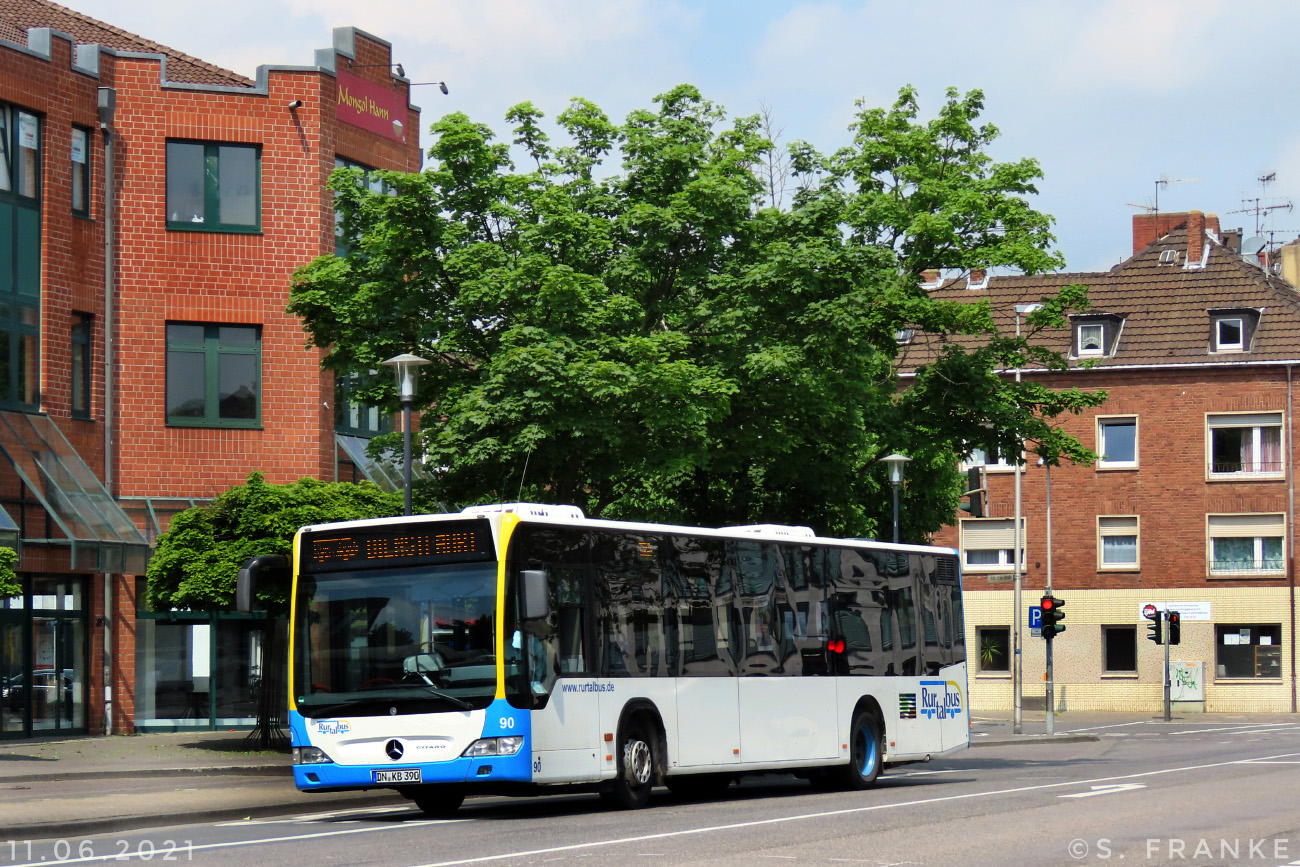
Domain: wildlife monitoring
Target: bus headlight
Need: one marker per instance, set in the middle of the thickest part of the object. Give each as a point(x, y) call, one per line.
point(506, 746)
point(310, 756)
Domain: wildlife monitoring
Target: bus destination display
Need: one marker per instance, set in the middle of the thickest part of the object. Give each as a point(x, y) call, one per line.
point(442, 543)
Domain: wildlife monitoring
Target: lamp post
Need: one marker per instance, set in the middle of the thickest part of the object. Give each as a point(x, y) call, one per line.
point(896, 463)
point(1017, 556)
point(404, 367)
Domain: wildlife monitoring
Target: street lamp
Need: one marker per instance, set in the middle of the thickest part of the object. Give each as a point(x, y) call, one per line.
point(1017, 556)
point(896, 464)
point(404, 367)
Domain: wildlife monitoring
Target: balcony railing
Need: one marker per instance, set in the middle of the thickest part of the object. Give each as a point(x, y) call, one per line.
point(1270, 566)
point(1254, 468)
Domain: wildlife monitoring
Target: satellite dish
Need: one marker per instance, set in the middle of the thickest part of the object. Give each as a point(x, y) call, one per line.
point(1252, 246)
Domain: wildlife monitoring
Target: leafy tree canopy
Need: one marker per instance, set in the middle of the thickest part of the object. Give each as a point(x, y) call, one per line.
point(197, 560)
point(9, 584)
point(656, 343)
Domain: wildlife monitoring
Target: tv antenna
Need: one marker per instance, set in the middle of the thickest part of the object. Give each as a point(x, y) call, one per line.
point(1261, 206)
point(1163, 181)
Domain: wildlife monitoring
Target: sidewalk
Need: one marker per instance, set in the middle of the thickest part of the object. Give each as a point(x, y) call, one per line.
point(86, 785)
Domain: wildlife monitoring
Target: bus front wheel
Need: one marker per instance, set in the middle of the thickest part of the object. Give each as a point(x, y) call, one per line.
point(630, 790)
point(866, 753)
point(439, 801)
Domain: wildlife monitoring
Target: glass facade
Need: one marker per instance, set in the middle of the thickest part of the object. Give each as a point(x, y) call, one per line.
point(196, 670)
point(43, 658)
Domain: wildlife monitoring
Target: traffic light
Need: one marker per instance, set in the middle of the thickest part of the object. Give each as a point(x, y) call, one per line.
point(1052, 616)
point(1155, 629)
point(975, 491)
point(1175, 627)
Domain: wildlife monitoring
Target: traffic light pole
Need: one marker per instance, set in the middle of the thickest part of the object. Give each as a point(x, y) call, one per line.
point(1165, 616)
point(1051, 698)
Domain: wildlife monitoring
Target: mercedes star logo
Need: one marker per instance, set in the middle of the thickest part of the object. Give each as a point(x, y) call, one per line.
point(394, 749)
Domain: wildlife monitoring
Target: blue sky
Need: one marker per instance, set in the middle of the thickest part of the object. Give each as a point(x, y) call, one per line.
point(1110, 96)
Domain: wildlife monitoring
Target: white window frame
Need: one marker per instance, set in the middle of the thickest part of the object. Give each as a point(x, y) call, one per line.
point(1102, 422)
point(1118, 526)
point(1219, 344)
point(1101, 338)
point(991, 534)
point(1256, 527)
point(979, 458)
point(1255, 422)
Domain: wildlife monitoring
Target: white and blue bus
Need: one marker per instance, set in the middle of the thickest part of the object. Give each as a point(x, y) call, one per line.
point(521, 649)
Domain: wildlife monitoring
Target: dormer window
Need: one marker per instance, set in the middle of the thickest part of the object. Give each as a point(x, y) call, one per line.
point(1091, 339)
point(1229, 333)
point(904, 336)
point(1232, 329)
point(1095, 335)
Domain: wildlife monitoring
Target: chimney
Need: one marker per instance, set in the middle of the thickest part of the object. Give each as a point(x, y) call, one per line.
point(1148, 228)
point(978, 277)
point(930, 277)
point(1196, 236)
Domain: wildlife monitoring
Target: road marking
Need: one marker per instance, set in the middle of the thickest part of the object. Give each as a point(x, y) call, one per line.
point(1105, 790)
point(1112, 726)
point(849, 811)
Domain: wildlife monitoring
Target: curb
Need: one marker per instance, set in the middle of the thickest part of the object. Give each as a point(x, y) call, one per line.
point(230, 771)
point(66, 828)
point(1021, 740)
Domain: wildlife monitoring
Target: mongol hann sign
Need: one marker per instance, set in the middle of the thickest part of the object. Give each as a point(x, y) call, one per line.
point(372, 107)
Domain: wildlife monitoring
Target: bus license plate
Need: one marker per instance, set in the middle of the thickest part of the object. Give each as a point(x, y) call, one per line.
point(405, 775)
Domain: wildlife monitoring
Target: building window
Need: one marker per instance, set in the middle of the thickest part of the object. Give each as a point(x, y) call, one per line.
point(354, 416)
point(1119, 643)
point(1090, 339)
point(81, 365)
point(1117, 442)
point(213, 375)
point(81, 171)
point(1245, 444)
point(994, 648)
point(1228, 335)
point(213, 187)
point(369, 180)
point(1248, 650)
point(1117, 542)
point(989, 459)
point(988, 544)
point(20, 258)
point(1246, 545)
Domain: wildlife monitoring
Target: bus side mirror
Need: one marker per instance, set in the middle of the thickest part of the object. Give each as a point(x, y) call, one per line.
point(253, 571)
point(536, 604)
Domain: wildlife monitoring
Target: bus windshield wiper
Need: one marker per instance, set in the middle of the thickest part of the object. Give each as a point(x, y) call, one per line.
point(437, 693)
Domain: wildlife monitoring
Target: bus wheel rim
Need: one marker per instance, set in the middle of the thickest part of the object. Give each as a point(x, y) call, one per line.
point(637, 762)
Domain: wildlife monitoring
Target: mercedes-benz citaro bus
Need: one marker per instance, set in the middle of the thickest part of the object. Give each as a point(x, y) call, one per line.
point(524, 649)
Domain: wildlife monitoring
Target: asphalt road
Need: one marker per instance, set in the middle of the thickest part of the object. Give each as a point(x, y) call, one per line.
point(1144, 793)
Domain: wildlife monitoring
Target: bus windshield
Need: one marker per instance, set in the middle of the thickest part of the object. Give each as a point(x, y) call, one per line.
point(421, 637)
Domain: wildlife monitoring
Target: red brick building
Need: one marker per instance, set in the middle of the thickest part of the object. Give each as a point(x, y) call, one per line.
point(131, 389)
point(1192, 506)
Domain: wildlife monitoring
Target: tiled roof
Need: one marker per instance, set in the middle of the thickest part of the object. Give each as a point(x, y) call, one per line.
point(16, 16)
point(1164, 307)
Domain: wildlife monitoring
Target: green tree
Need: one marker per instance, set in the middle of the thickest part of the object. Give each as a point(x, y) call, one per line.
point(659, 344)
point(197, 560)
point(9, 584)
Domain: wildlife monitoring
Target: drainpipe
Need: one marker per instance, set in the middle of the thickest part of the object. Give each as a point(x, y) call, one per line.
point(1290, 522)
point(107, 104)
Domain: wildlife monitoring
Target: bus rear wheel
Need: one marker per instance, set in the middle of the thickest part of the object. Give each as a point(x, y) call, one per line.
point(866, 754)
point(630, 790)
point(439, 802)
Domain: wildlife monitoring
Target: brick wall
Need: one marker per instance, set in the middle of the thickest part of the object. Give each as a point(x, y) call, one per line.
point(1168, 490)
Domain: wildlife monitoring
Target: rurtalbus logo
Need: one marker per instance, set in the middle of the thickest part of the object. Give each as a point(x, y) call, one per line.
point(333, 727)
point(940, 699)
